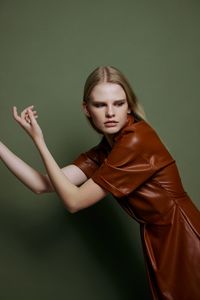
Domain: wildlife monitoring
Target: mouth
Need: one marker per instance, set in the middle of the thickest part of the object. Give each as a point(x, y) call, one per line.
point(110, 123)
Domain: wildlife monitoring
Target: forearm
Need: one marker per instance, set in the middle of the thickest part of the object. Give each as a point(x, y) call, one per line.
point(34, 180)
point(74, 198)
point(64, 188)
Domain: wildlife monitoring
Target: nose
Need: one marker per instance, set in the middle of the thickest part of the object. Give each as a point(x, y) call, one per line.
point(110, 112)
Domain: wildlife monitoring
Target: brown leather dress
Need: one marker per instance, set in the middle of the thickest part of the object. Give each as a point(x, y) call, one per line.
point(143, 177)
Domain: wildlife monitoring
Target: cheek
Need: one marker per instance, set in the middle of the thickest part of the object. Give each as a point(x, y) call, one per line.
point(95, 118)
point(96, 115)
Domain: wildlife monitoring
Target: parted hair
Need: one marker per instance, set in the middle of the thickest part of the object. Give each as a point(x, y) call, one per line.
point(113, 75)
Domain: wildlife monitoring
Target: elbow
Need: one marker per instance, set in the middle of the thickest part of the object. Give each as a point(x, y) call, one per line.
point(40, 191)
point(72, 209)
point(43, 188)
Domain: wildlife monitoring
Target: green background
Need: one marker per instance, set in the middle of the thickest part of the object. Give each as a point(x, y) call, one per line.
point(48, 48)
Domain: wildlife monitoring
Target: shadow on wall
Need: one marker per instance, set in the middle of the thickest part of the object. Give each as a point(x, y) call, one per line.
point(101, 231)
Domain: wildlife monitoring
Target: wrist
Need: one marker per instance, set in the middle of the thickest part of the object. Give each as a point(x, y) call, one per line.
point(39, 142)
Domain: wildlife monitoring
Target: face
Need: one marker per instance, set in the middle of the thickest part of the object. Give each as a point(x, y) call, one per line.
point(107, 107)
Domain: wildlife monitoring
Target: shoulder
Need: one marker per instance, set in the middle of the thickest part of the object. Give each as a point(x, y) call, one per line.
point(137, 134)
point(140, 140)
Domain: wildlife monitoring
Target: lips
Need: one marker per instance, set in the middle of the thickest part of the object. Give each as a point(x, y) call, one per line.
point(110, 123)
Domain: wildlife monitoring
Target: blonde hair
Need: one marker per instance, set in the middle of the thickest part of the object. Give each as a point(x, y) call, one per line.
point(113, 75)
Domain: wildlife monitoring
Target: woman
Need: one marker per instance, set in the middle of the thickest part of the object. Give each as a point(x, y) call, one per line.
point(132, 164)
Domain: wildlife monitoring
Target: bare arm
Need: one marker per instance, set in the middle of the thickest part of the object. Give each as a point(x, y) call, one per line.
point(73, 197)
point(34, 180)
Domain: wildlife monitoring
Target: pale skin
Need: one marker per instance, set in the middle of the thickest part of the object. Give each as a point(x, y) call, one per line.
point(108, 108)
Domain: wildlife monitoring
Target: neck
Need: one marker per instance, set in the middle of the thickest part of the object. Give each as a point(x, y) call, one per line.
point(109, 138)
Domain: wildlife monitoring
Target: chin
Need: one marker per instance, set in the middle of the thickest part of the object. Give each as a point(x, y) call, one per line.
point(110, 130)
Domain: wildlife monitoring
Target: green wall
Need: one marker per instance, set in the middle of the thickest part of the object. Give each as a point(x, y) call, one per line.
point(48, 48)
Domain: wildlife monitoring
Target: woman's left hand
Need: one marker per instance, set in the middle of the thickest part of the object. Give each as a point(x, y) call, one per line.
point(27, 120)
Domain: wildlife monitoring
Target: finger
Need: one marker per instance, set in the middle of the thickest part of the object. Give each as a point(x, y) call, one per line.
point(25, 111)
point(34, 113)
point(18, 118)
point(31, 116)
point(30, 107)
point(15, 114)
point(14, 110)
point(27, 118)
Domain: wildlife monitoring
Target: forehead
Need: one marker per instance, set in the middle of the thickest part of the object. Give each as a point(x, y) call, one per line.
point(107, 91)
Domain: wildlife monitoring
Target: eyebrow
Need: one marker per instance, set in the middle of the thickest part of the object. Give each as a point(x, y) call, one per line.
point(97, 101)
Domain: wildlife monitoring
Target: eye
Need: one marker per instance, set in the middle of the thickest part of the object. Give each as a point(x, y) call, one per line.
point(99, 104)
point(120, 103)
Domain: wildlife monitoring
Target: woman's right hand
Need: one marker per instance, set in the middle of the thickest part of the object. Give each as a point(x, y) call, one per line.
point(27, 120)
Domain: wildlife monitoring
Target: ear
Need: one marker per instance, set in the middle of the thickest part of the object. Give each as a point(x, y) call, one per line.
point(85, 109)
point(129, 111)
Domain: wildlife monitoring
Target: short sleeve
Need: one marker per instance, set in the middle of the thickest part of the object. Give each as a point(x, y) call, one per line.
point(134, 159)
point(91, 160)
